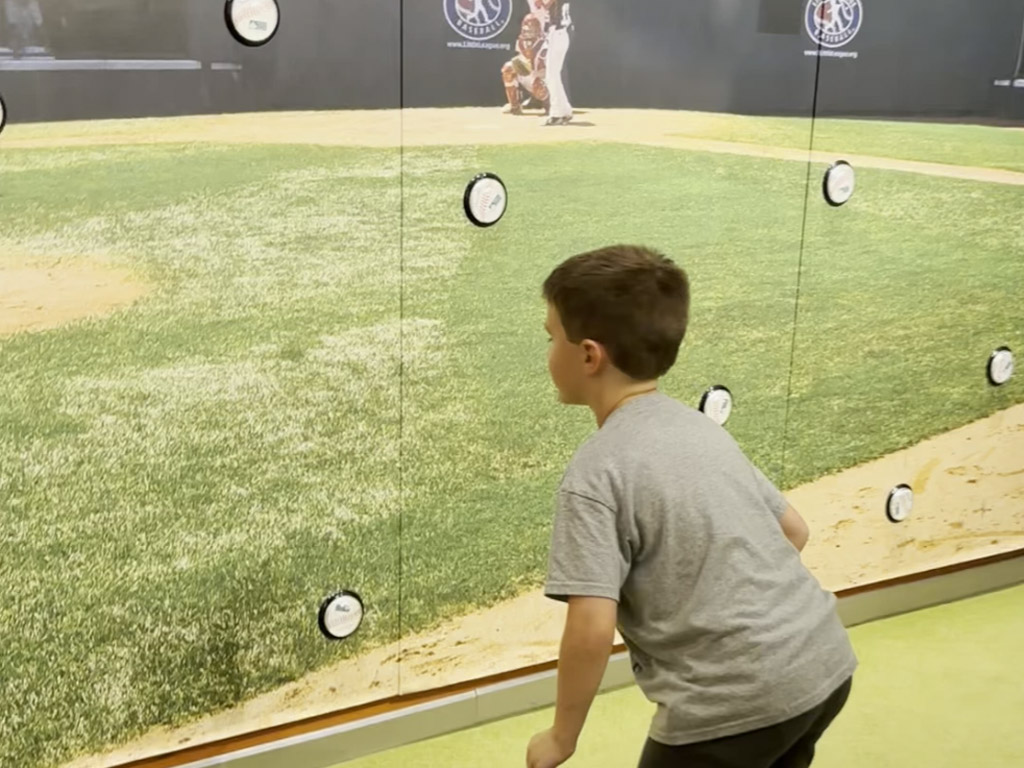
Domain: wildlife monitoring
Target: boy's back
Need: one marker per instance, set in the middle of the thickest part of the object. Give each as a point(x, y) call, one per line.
point(727, 630)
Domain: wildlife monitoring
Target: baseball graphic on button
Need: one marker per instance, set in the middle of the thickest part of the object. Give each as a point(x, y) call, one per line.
point(252, 22)
point(341, 615)
point(900, 503)
point(486, 200)
point(840, 183)
point(1000, 367)
point(717, 404)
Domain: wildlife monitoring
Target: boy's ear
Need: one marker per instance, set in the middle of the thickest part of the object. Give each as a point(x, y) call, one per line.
point(593, 352)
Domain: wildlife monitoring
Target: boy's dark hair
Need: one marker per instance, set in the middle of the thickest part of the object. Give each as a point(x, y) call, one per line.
point(634, 301)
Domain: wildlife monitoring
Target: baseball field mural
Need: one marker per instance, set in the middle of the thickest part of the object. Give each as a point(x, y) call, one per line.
point(252, 358)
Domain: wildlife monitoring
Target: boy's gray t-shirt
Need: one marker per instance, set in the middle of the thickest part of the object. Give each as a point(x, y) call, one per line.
point(728, 632)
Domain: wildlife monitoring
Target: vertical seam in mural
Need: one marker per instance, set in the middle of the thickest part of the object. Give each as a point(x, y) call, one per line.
point(1020, 55)
point(401, 319)
point(800, 262)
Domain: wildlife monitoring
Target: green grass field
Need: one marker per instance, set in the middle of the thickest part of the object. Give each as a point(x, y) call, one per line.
point(183, 482)
point(952, 144)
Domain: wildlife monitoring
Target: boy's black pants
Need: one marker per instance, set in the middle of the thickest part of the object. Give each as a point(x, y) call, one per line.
point(786, 745)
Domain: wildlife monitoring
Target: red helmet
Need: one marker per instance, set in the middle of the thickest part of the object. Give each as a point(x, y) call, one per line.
point(530, 29)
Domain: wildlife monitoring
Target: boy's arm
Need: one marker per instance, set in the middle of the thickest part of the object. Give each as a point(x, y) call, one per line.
point(795, 528)
point(588, 564)
point(582, 660)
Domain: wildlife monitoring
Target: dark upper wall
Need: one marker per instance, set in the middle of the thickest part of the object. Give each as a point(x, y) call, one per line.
point(745, 56)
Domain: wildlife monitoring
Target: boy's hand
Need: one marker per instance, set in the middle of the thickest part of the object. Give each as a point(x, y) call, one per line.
point(582, 659)
point(546, 751)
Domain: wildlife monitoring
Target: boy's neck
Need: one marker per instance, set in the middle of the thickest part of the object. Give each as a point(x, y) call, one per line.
point(614, 398)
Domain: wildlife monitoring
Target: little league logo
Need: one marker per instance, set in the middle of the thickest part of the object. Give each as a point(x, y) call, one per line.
point(834, 23)
point(478, 19)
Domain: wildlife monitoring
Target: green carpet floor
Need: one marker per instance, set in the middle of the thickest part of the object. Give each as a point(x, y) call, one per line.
point(942, 688)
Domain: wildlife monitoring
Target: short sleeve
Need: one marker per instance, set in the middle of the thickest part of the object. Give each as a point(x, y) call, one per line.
point(587, 558)
point(771, 495)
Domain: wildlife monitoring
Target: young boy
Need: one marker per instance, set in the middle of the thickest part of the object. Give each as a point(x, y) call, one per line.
point(665, 529)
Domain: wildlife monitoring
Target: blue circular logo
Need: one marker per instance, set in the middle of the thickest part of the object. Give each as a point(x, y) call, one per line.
point(834, 23)
point(478, 19)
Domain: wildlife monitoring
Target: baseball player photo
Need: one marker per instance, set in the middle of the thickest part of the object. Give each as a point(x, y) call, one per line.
point(559, 24)
point(534, 76)
point(526, 73)
point(21, 32)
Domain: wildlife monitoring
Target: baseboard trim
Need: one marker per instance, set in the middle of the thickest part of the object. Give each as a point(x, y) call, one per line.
point(360, 738)
point(948, 585)
point(487, 701)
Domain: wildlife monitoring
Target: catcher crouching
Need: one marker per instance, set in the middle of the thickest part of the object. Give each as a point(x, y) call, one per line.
point(525, 73)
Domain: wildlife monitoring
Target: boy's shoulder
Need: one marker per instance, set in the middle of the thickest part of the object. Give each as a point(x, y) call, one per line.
point(649, 437)
point(627, 437)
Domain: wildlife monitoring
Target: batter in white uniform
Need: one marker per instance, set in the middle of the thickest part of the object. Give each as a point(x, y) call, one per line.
point(559, 21)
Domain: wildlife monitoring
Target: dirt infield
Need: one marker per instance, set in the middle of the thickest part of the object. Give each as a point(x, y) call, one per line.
point(962, 480)
point(38, 298)
point(447, 127)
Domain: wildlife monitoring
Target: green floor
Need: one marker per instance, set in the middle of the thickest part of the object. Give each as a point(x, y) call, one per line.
point(937, 688)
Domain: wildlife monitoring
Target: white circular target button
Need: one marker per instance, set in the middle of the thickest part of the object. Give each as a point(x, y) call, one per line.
point(341, 615)
point(840, 183)
point(252, 22)
point(1000, 366)
point(486, 200)
point(717, 404)
point(900, 504)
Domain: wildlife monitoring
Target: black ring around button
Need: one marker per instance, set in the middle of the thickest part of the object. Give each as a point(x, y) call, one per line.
point(824, 183)
point(469, 191)
point(991, 363)
point(711, 391)
point(238, 35)
point(326, 604)
point(892, 495)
